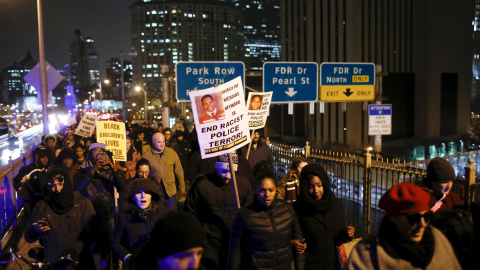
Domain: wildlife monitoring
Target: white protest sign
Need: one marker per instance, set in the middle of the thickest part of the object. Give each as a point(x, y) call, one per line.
point(112, 134)
point(258, 106)
point(220, 118)
point(86, 126)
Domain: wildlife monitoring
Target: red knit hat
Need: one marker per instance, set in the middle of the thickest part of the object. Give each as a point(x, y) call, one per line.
point(403, 198)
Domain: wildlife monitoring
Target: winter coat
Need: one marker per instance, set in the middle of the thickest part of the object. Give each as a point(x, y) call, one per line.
point(67, 230)
point(322, 235)
point(371, 253)
point(167, 168)
point(212, 201)
point(262, 152)
point(322, 221)
point(260, 237)
point(99, 189)
point(132, 229)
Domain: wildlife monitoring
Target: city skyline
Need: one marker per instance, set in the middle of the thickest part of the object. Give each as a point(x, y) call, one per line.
point(19, 35)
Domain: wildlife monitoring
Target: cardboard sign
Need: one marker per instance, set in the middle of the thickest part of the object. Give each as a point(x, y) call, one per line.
point(258, 106)
point(112, 134)
point(86, 126)
point(220, 118)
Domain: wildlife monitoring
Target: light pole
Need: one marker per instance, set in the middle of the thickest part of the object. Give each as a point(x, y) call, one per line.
point(43, 68)
point(138, 88)
point(123, 83)
point(100, 85)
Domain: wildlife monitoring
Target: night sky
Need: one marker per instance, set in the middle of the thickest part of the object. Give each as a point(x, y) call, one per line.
point(106, 21)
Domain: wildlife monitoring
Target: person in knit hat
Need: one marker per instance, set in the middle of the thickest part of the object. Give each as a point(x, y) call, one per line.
point(405, 239)
point(439, 181)
point(176, 242)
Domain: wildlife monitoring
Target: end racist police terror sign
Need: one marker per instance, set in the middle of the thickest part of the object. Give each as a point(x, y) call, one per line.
point(257, 109)
point(113, 135)
point(192, 76)
point(220, 118)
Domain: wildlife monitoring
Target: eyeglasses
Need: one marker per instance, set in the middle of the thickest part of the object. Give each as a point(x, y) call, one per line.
point(58, 179)
point(143, 172)
point(98, 154)
point(415, 218)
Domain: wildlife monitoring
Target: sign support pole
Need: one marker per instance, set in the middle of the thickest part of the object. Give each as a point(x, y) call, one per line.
point(377, 143)
point(250, 144)
point(234, 180)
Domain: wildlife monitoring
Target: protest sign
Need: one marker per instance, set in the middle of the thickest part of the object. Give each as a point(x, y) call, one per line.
point(258, 106)
point(86, 126)
point(112, 134)
point(220, 118)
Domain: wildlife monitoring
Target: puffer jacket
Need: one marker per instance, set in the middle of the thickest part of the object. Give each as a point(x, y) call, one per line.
point(260, 237)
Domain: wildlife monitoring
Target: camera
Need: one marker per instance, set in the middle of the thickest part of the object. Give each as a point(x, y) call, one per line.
point(42, 223)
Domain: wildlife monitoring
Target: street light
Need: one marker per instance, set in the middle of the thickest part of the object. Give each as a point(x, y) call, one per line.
point(100, 90)
point(138, 88)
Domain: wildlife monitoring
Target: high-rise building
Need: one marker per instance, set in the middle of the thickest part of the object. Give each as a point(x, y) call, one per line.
point(165, 32)
point(262, 31)
point(476, 59)
point(114, 75)
point(423, 46)
point(83, 62)
point(13, 83)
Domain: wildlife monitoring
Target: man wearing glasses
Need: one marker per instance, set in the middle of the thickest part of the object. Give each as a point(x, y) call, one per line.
point(405, 239)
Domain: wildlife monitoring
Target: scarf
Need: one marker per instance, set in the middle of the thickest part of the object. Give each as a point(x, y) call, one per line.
point(418, 254)
point(60, 202)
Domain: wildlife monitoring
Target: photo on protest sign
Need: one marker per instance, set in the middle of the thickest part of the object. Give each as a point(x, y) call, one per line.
point(86, 126)
point(112, 134)
point(220, 118)
point(258, 107)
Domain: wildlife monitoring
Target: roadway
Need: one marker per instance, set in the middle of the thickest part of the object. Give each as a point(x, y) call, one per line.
point(11, 148)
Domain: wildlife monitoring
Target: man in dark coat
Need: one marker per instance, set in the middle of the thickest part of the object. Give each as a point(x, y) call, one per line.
point(259, 150)
point(212, 200)
point(183, 149)
point(21, 182)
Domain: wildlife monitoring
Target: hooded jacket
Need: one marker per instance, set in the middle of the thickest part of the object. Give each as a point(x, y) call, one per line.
point(69, 215)
point(133, 226)
point(322, 222)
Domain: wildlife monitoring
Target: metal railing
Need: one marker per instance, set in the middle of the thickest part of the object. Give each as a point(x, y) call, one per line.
point(360, 181)
point(9, 202)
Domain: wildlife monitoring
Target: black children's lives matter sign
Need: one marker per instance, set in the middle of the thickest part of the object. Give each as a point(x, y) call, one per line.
point(258, 106)
point(220, 118)
point(86, 126)
point(113, 135)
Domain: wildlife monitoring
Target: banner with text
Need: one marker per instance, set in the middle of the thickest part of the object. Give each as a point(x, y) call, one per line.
point(112, 134)
point(86, 126)
point(220, 118)
point(257, 110)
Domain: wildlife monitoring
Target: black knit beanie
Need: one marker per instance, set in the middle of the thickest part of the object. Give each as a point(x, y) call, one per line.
point(176, 232)
point(439, 169)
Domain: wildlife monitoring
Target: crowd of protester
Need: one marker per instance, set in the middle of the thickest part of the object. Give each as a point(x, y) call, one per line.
point(91, 212)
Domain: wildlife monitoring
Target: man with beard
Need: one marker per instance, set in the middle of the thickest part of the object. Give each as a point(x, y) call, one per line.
point(259, 150)
point(405, 240)
point(97, 181)
point(212, 200)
